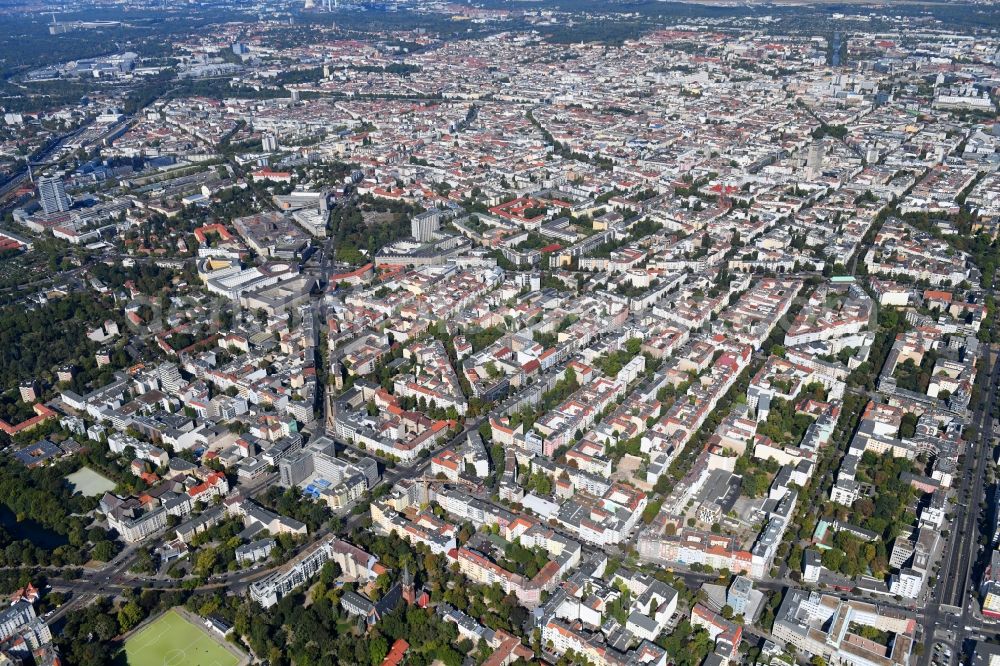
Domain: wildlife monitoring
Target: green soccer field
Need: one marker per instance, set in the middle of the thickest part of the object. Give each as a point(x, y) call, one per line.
point(171, 640)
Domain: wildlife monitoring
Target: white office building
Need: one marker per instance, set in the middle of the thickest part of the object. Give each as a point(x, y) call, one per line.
point(52, 195)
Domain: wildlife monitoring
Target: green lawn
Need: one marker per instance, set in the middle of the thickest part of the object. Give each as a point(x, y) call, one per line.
point(171, 640)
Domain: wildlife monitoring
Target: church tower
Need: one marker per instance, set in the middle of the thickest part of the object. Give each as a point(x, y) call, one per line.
point(409, 596)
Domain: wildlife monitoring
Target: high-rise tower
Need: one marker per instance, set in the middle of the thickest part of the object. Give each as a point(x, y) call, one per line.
point(52, 195)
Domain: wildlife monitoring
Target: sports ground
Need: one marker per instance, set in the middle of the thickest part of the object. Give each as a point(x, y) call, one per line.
point(171, 640)
point(89, 483)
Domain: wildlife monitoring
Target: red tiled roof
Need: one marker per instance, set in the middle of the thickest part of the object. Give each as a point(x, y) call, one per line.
point(396, 653)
